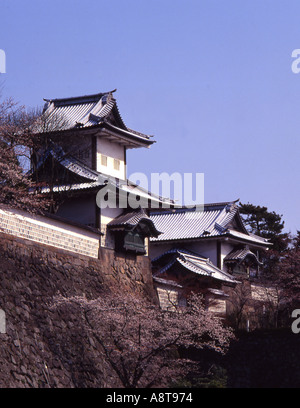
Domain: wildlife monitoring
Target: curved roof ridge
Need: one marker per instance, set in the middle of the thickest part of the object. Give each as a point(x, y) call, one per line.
point(76, 99)
point(240, 255)
point(193, 262)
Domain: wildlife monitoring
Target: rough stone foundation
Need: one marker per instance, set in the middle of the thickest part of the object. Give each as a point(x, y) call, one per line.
point(44, 349)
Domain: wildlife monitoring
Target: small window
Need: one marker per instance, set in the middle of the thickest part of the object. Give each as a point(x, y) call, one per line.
point(133, 241)
point(103, 160)
point(116, 164)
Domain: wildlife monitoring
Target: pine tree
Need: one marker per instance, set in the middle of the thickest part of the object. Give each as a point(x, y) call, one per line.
point(267, 224)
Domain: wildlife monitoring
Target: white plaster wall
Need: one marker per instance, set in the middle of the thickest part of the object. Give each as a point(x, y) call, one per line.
point(226, 248)
point(207, 249)
point(111, 151)
point(108, 214)
point(49, 223)
point(156, 250)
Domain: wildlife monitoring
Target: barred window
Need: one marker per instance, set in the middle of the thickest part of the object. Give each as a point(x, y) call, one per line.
point(116, 164)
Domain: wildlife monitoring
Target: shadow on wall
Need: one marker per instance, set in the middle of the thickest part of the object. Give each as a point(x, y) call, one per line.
point(40, 348)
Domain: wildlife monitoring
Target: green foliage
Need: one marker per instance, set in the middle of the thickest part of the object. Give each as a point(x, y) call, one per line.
point(268, 224)
point(215, 377)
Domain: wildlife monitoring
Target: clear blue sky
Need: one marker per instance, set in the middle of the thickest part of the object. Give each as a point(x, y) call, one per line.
point(210, 79)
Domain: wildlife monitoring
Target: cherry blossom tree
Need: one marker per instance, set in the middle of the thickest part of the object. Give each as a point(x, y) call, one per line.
point(282, 284)
point(140, 341)
point(16, 142)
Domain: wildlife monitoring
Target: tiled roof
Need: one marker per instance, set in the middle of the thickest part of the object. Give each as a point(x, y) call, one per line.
point(69, 162)
point(167, 282)
point(240, 255)
point(88, 111)
point(191, 262)
point(255, 239)
point(214, 220)
point(92, 179)
point(132, 219)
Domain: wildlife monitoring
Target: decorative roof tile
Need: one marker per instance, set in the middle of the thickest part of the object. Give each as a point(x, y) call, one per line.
point(192, 262)
point(97, 110)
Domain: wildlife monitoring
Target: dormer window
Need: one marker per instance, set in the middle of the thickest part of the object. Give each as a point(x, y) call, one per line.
point(134, 241)
point(130, 231)
point(242, 261)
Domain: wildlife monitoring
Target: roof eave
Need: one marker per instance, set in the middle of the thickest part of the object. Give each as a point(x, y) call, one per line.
point(130, 140)
point(134, 139)
point(213, 237)
point(249, 241)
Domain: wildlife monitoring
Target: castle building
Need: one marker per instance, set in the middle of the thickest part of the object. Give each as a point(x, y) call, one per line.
point(82, 166)
point(83, 153)
point(207, 251)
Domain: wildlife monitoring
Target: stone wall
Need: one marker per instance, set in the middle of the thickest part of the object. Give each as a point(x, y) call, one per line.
point(50, 231)
point(42, 348)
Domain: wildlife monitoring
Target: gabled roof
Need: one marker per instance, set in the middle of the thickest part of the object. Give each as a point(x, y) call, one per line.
point(130, 220)
point(192, 262)
point(240, 255)
point(97, 111)
point(213, 221)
